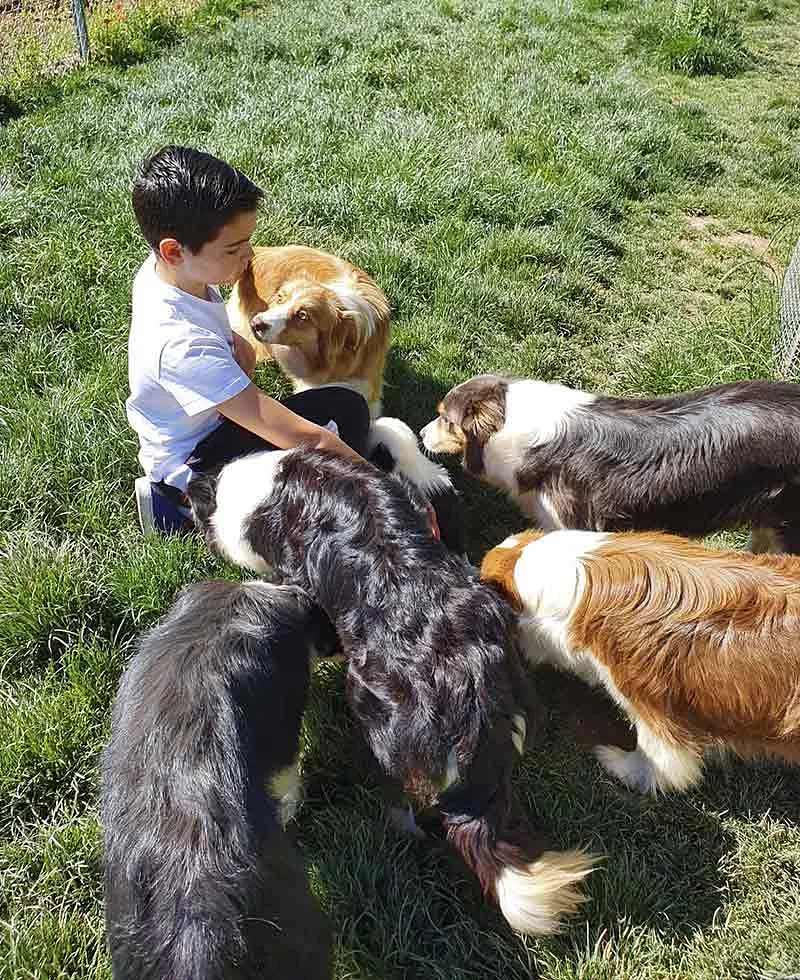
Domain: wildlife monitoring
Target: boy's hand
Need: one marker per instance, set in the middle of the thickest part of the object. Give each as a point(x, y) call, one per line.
point(244, 354)
point(330, 441)
point(277, 424)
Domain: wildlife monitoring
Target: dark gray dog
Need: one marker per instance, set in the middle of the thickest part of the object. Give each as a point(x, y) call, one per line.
point(201, 882)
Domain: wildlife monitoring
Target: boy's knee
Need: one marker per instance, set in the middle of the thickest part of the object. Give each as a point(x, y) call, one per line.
point(352, 417)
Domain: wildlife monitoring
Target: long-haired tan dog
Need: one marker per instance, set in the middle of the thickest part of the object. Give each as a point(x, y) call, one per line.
point(700, 648)
point(320, 318)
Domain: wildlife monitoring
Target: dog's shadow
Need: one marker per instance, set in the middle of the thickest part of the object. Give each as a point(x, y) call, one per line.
point(397, 902)
point(489, 515)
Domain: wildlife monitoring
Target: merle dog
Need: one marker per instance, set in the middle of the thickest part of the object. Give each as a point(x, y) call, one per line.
point(434, 673)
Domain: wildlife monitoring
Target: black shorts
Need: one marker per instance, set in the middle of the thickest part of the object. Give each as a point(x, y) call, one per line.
point(229, 441)
point(344, 406)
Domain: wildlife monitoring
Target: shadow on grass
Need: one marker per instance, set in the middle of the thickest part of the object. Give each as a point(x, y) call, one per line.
point(752, 789)
point(489, 514)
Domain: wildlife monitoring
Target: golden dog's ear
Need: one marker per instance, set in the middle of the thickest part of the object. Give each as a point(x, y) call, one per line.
point(354, 327)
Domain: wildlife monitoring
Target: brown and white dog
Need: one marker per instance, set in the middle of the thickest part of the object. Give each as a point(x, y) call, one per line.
point(689, 463)
point(699, 648)
point(322, 320)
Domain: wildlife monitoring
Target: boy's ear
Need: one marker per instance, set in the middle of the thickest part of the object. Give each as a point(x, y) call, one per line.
point(170, 250)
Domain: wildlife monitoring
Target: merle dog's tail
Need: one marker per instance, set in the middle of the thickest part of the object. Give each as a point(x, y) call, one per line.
point(393, 447)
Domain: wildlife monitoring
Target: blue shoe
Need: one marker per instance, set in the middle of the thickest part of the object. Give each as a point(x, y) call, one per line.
point(158, 513)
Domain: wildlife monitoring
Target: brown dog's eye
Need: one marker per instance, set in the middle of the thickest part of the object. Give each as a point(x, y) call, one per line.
point(302, 315)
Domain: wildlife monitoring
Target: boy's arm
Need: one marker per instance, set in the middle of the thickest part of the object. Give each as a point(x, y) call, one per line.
point(276, 423)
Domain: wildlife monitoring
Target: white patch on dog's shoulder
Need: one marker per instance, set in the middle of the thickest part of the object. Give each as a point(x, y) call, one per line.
point(535, 412)
point(539, 409)
point(509, 543)
point(356, 303)
point(550, 579)
point(242, 485)
point(409, 459)
point(549, 573)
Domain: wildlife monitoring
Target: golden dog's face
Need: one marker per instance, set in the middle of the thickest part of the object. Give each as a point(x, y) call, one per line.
point(298, 312)
point(310, 319)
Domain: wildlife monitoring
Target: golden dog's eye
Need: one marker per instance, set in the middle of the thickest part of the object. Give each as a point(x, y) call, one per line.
point(301, 315)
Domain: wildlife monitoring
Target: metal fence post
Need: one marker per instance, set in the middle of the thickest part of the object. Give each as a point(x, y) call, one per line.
point(81, 29)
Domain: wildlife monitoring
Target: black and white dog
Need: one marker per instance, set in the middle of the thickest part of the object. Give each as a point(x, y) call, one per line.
point(434, 674)
point(201, 882)
point(689, 463)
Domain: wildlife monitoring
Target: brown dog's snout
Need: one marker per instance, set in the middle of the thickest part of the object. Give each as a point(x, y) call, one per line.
point(259, 326)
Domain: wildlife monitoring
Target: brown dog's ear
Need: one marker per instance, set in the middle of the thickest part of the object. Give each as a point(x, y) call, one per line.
point(354, 328)
point(484, 418)
point(481, 417)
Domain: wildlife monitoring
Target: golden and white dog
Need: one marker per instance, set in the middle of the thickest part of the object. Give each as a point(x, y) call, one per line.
point(322, 320)
point(699, 648)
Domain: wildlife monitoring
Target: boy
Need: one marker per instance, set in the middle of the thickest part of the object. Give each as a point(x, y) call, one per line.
point(192, 402)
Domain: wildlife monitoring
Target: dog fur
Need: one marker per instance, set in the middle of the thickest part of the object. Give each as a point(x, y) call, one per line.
point(434, 675)
point(393, 447)
point(323, 320)
point(689, 463)
point(699, 648)
point(201, 882)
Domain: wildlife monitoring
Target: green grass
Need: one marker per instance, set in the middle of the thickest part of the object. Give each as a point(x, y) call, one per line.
point(537, 192)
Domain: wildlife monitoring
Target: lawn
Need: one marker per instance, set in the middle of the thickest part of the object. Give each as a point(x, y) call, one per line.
point(539, 189)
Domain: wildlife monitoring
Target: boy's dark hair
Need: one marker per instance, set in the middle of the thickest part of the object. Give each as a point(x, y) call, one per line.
point(187, 195)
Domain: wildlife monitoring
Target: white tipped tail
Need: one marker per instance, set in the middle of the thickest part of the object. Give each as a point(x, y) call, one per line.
point(536, 898)
point(410, 461)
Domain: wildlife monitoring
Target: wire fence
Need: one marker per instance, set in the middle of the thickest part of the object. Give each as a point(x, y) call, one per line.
point(40, 38)
point(36, 36)
point(787, 342)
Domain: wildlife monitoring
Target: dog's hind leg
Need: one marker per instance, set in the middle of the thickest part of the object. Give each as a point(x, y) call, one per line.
point(655, 765)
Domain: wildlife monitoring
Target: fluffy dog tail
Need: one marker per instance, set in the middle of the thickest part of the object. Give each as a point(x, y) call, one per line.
point(535, 888)
point(393, 447)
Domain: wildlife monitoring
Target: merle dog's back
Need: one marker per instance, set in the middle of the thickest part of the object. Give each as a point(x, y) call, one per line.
point(201, 881)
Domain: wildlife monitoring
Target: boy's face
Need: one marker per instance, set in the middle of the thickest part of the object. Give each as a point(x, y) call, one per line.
point(221, 260)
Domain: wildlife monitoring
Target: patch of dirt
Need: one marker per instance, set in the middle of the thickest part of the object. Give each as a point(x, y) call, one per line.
point(754, 246)
point(699, 222)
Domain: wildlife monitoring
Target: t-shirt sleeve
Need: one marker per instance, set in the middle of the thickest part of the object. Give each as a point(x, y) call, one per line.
point(200, 372)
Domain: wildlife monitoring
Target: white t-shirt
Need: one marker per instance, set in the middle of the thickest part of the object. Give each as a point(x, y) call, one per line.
point(180, 367)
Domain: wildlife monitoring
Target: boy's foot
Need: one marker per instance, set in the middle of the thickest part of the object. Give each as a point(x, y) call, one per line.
point(158, 513)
